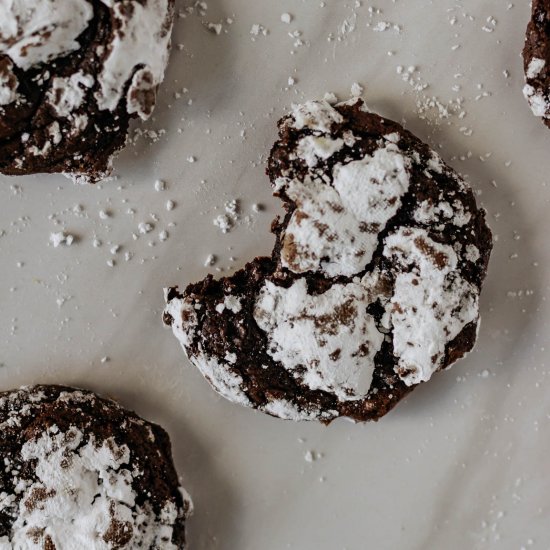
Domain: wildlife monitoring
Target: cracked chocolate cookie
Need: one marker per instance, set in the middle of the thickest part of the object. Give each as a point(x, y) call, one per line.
point(81, 472)
point(73, 73)
point(373, 284)
point(536, 60)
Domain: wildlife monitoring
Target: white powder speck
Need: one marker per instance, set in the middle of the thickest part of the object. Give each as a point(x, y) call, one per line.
point(170, 205)
point(160, 185)
point(210, 260)
point(215, 28)
point(258, 29)
point(357, 90)
point(286, 18)
point(61, 238)
point(145, 227)
point(225, 222)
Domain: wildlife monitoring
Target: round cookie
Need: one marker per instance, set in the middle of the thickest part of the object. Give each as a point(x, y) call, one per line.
point(373, 284)
point(83, 473)
point(536, 60)
point(73, 73)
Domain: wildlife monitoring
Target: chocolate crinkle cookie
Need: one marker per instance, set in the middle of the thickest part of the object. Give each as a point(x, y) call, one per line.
point(536, 60)
point(73, 73)
point(373, 284)
point(80, 472)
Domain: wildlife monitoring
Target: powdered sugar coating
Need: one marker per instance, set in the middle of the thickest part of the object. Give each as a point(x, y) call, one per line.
point(83, 493)
point(313, 148)
point(222, 376)
point(219, 373)
point(327, 341)
point(74, 488)
point(315, 115)
point(430, 305)
point(67, 94)
point(8, 83)
point(38, 32)
point(536, 58)
point(538, 101)
point(141, 39)
point(282, 408)
point(335, 227)
point(91, 66)
point(34, 34)
point(535, 67)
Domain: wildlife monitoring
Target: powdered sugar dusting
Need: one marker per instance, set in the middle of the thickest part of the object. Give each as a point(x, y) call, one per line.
point(335, 227)
point(326, 341)
point(535, 67)
point(315, 115)
point(431, 303)
point(132, 47)
point(539, 103)
point(71, 487)
point(219, 373)
point(33, 33)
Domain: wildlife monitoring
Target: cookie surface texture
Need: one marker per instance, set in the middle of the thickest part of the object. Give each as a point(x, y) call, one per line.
point(73, 73)
point(82, 473)
point(373, 284)
point(536, 60)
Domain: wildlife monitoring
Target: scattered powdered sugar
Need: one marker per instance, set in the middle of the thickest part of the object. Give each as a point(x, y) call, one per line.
point(59, 238)
point(431, 303)
point(356, 90)
point(327, 341)
point(210, 260)
point(226, 222)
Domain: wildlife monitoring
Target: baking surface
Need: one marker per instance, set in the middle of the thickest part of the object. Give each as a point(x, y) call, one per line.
point(463, 462)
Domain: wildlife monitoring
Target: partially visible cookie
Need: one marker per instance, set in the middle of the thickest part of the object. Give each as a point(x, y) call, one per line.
point(73, 73)
point(536, 60)
point(373, 284)
point(80, 472)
